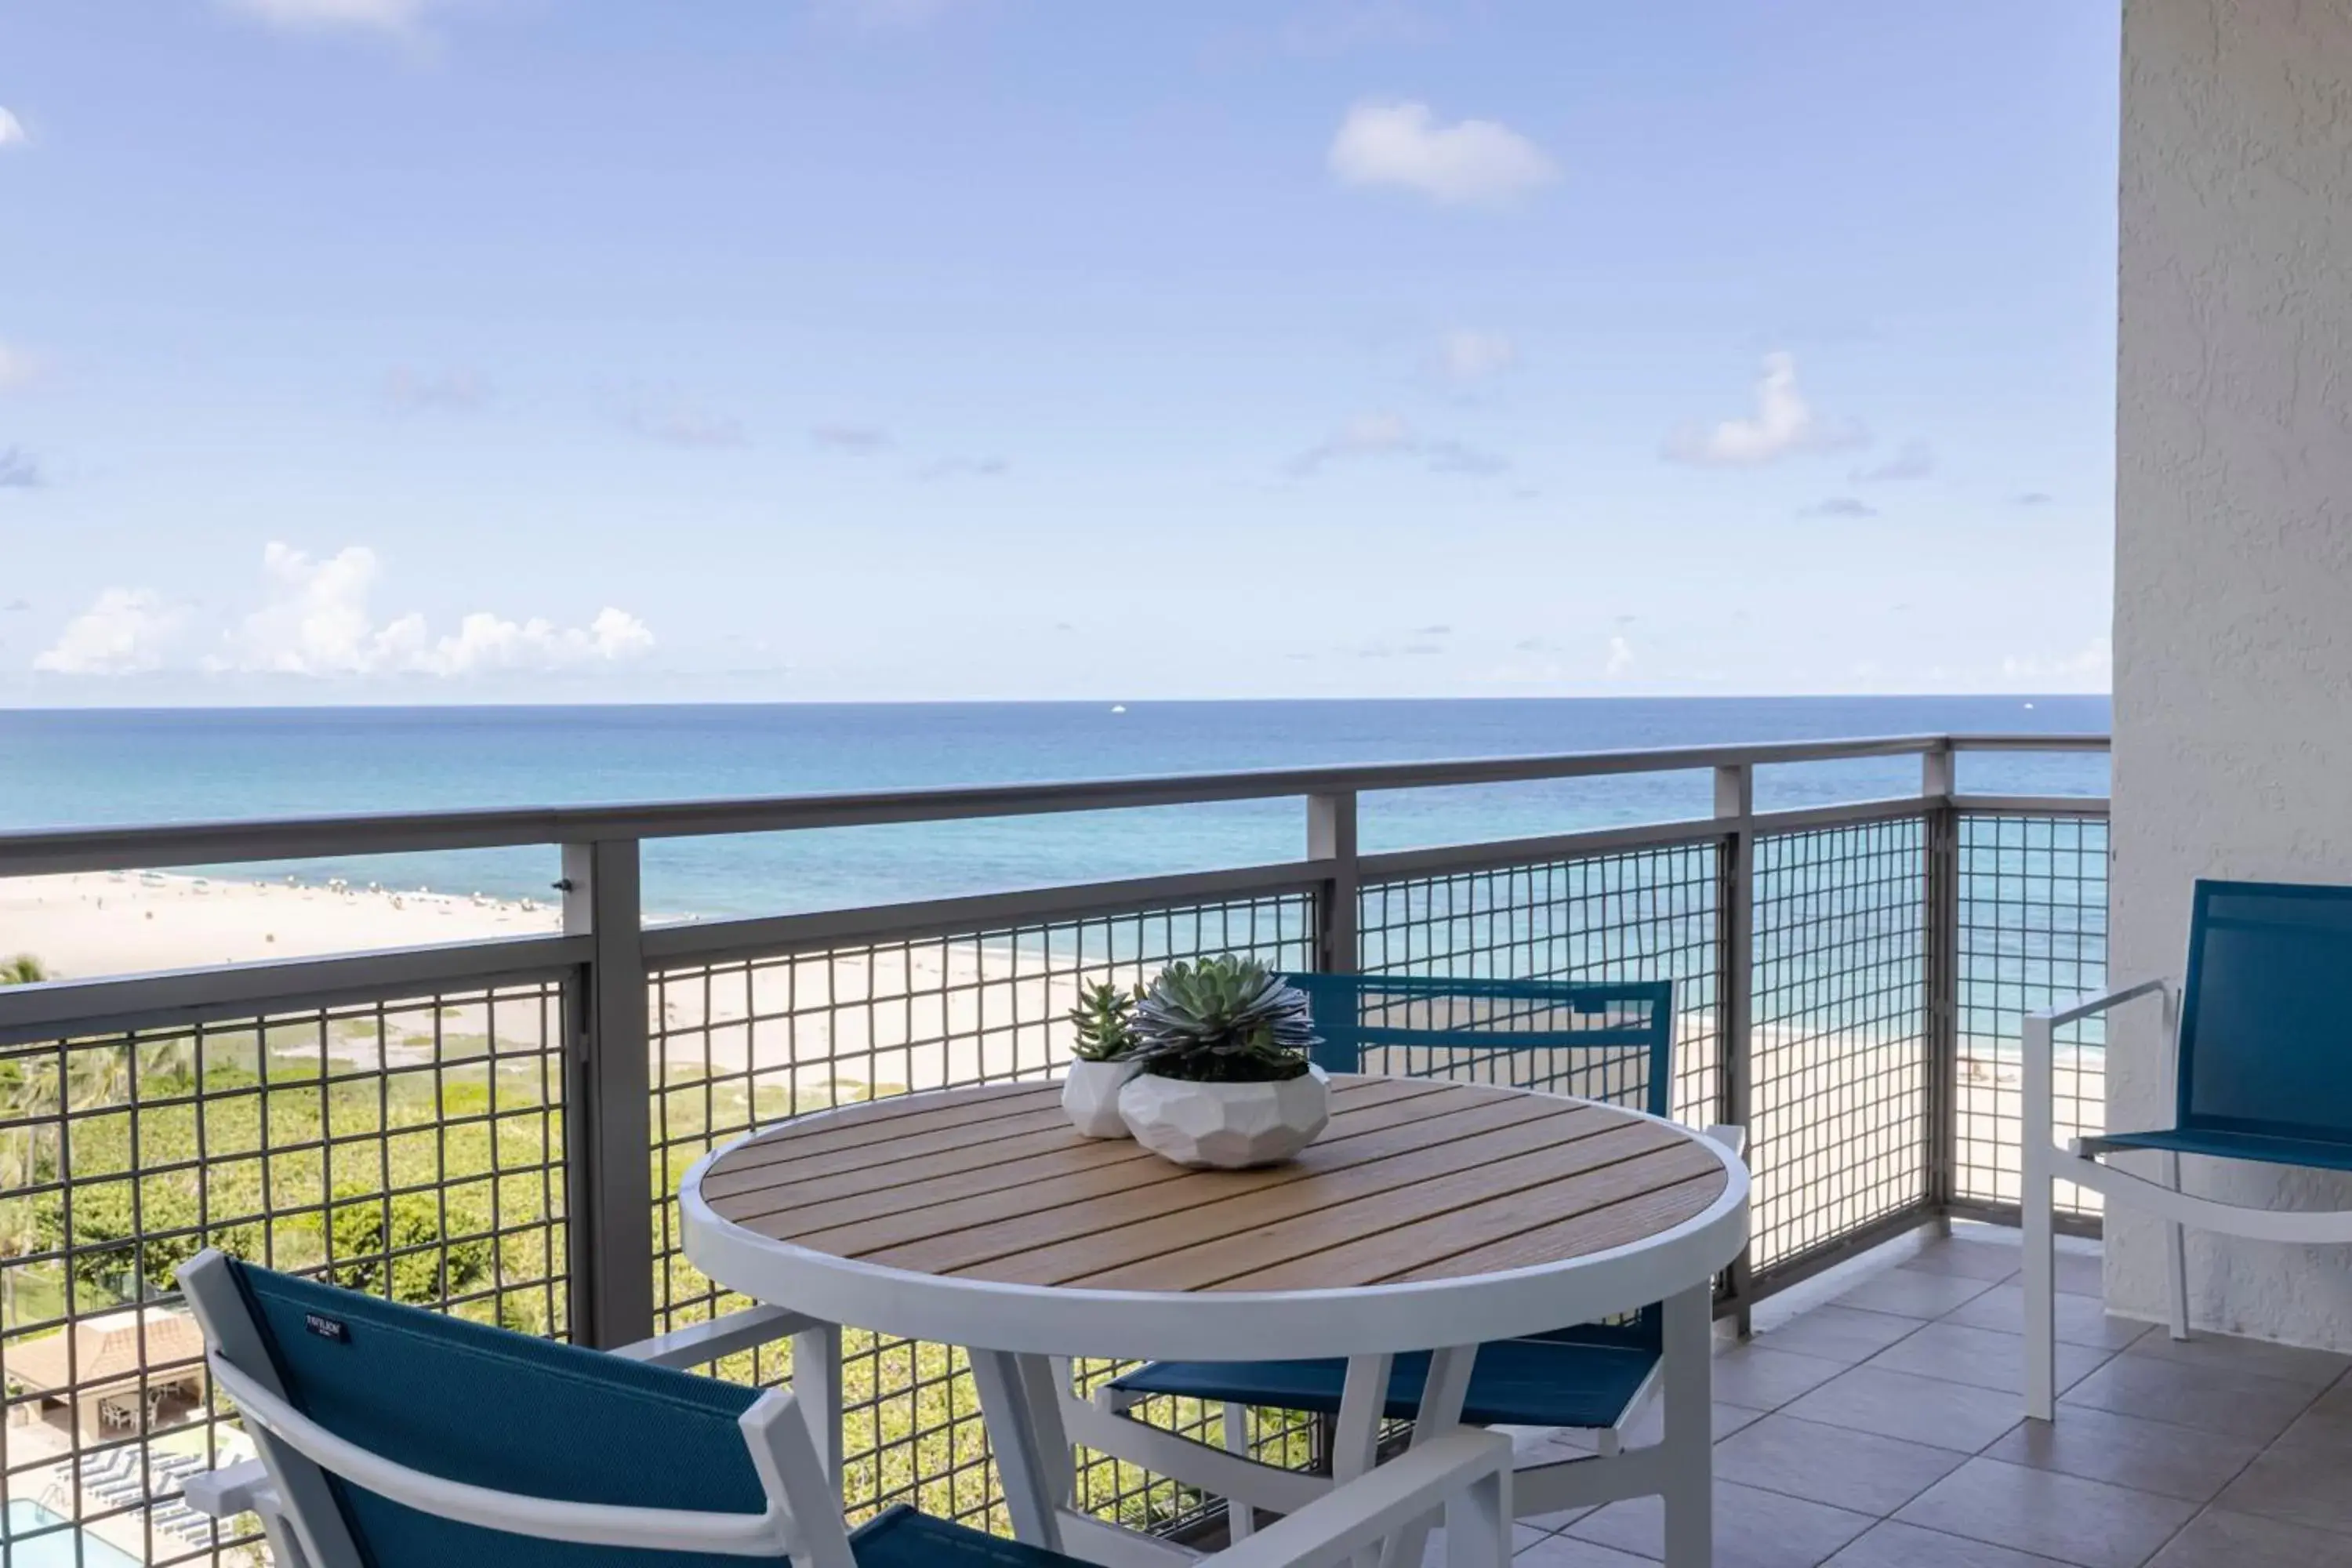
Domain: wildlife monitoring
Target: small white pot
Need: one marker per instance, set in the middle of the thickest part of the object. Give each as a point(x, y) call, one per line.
point(1226, 1126)
point(1090, 1097)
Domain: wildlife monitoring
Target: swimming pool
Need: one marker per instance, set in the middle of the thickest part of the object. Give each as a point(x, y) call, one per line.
point(56, 1548)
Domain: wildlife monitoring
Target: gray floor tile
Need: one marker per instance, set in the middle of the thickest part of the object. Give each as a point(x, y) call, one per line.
point(1646, 1428)
point(2065, 1517)
point(1858, 1470)
point(1981, 1358)
point(1566, 1551)
point(2329, 1420)
point(2259, 1408)
point(2302, 1483)
point(1752, 1529)
point(1913, 1409)
point(1523, 1536)
point(1898, 1545)
point(1756, 1377)
point(2129, 1451)
point(2231, 1354)
point(2219, 1539)
point(1908, 1293)
point(1990, 1260)
point(2081, 1320)
point(2081, 1274)
point(1842, 1334)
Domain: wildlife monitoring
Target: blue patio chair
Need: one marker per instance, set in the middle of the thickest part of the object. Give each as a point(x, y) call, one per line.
point(1609, 1041)
point(2261, 1066)
point(393, 1437)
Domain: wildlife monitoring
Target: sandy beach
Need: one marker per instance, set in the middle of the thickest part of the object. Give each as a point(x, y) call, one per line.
point(919, 1016)
point(93, 923)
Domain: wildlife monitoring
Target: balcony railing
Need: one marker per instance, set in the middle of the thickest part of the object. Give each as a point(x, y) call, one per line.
point(496, 1128)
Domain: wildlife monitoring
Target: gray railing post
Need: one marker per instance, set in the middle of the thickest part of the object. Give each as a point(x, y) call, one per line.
point(1735, 984)
point(1331, 835)
point(608, 1113)
point(1940, 922)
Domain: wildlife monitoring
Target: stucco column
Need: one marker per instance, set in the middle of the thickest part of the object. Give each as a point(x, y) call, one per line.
point(2233, 559)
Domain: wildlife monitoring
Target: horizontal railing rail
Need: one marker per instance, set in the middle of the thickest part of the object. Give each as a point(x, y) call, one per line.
point(26, 852)
point(495, 1126)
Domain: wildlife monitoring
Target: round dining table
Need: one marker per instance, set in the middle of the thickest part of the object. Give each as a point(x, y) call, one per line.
point(1430, 1216)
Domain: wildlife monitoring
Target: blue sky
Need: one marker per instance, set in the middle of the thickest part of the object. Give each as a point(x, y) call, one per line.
point(486, 349)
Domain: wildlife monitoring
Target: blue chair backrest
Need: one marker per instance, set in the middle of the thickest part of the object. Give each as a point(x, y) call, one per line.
point(490, 1408)
point(2266, 1011)
point(1608, 1040)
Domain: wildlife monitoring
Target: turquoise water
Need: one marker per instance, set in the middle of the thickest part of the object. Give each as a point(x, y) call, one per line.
point(128, 767)
point(21, 1547)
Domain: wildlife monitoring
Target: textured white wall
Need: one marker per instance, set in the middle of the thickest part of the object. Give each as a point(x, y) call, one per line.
point(2233, 559)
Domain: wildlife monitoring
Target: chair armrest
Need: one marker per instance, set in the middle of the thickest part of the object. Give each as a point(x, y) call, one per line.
point(231, 1491)
point(1732, 1138)
point(2040, 1026)
point(2084, 1006)
point(2040, 1032)
point(699, 1342)
point(1375, 1505)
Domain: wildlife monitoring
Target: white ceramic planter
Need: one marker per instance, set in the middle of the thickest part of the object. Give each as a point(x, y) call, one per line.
point(1090, 1097)
point(1226, 1126)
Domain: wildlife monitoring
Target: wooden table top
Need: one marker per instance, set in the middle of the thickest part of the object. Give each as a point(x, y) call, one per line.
point(1413, 1180)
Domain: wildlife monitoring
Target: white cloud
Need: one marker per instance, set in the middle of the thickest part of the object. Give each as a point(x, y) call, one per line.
point(679, 422)
point(854, 438)
point(12, 130)
point(1621, 659)
point(125, 631)
point(1916, 460)
point(407, 390)
point(963, 469)
point(319, 621)
point(17, 368)
point(1466, 357)
point(400, 18)
point(2090, 668)
point(1840, 506)
point(1386, 434)
point(1783, 423)
point(17, 470)
point(1471, 163)
point(885, 13)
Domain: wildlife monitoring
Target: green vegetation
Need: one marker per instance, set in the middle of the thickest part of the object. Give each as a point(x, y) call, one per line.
point(1223, 1020)
point(440, 1181)
point(1105, 1021)
point(24, 969)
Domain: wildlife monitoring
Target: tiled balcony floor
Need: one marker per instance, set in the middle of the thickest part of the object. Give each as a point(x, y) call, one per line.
point(1872, 1422)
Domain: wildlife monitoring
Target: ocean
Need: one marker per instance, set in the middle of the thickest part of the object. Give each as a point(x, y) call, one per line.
point(60, 768)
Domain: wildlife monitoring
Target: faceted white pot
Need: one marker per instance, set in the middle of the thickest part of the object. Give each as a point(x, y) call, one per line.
point(1226, 1126)
point(1090, 1097)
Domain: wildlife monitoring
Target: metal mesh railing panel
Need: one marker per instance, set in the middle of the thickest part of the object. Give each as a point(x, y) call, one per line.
point(412, 1149)
point(2034, 932)
point(1838, 1131)
point(749, 1042)
point(1641, 914)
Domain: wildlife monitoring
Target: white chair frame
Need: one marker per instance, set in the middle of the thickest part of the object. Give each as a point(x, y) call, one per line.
point(1466, 1475)
point(1248, 1485)
point(2045, 1162)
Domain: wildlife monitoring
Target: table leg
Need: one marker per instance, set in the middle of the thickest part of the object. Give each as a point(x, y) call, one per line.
point(1688, 1447)
point(1441, 1411)
point(1024, 1435)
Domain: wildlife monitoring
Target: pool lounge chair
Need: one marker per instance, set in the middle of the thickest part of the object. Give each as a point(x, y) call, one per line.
point(389, 1435)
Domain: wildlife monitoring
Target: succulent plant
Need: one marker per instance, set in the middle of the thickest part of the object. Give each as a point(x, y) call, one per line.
point(1105, 1021)
point(1223, 1020)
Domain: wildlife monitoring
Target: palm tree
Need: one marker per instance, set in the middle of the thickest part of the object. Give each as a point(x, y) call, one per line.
point(22, 969)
